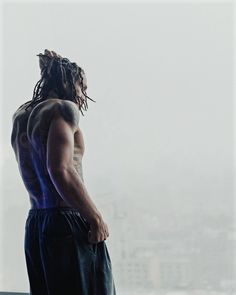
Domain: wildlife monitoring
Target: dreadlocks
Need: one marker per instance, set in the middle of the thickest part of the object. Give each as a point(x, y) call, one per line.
point(60, 75)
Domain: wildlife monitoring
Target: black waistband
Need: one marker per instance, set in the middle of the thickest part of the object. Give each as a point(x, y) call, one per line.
point(53, 209)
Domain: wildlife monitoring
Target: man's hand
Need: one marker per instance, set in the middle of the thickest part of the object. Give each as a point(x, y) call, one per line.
point(98, 231)
point(46, 57)
point(51, 53)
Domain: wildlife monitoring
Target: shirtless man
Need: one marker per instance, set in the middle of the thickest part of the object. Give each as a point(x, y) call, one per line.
point(65, 233)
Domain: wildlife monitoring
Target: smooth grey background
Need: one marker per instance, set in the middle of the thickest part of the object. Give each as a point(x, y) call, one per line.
point(159, 140)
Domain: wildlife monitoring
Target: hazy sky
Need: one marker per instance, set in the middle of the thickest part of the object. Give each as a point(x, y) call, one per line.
point(161, 131)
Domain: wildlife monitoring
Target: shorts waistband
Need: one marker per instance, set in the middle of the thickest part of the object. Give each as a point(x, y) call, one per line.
point(53, 209)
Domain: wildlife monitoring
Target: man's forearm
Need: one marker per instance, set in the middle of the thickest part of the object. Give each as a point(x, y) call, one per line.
point(73, 191)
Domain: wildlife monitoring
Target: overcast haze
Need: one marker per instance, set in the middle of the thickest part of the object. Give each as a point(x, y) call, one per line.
point(159, 139)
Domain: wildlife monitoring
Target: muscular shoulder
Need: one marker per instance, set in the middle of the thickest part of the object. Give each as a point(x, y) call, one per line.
point(19, 124)
point(20, 112)
point(44, 112)
point(69, 111)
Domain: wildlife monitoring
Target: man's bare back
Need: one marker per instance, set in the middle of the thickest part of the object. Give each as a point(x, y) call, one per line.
point(29, 141)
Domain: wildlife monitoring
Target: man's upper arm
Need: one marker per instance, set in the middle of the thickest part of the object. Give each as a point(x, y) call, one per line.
point(60, 141)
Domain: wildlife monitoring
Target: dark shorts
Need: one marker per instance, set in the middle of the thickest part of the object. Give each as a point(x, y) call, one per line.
point(59, 258)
